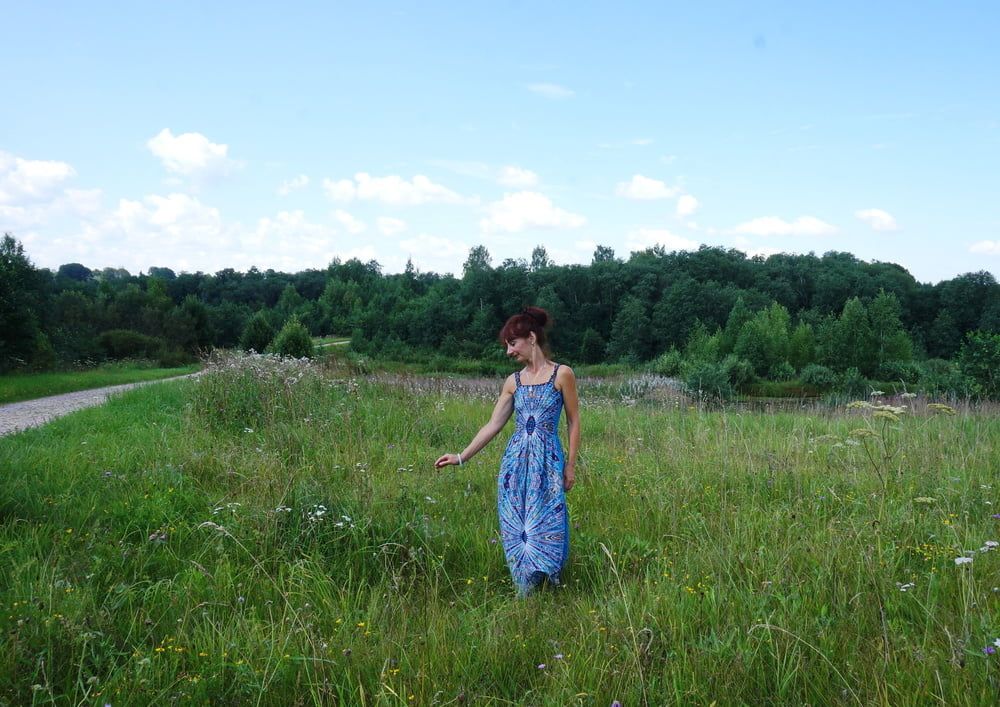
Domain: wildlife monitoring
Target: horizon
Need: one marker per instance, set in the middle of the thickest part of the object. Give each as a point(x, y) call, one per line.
point(231, 136)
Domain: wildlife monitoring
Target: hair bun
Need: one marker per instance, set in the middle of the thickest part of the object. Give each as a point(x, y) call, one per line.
point(540, 316)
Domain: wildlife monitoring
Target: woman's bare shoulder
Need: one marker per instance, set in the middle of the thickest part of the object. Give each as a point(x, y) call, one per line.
point(564, 375)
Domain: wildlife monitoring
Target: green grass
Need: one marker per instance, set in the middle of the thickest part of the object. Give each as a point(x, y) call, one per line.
point(27, 386)
point(266, 536)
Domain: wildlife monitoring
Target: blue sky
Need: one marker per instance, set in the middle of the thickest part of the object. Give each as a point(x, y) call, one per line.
point(200, 136)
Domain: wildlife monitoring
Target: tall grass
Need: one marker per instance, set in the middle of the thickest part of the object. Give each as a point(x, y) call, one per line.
point(268, 534)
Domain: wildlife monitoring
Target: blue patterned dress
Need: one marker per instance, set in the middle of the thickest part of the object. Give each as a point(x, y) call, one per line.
point(534, 521)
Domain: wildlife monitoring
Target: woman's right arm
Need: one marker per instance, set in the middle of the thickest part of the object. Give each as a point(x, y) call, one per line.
point(501, 413)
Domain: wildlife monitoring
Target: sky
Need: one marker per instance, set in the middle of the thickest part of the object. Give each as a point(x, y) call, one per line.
point(204, 136)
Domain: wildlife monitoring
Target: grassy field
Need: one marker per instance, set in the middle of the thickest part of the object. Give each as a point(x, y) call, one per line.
point(27, 386)
point(271, 534)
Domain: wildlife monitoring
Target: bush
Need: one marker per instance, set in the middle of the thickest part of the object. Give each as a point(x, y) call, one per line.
point(852, 383)
point(667, 363)
point(293, 340)
point(903, 371)
point(258, 334)
point(739, 371)
point(979, 361)
point(818, 376)
point(781, 371)
point(940, 377)
point(125, 343)
point(706, 380)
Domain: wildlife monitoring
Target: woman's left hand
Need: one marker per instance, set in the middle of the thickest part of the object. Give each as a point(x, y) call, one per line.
point(446, 460)
point(569, 478)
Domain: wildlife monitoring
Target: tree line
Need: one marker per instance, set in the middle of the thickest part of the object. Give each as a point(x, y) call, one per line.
point(746, 318)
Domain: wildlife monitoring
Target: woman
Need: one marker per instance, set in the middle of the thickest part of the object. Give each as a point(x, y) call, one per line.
point(534, 473)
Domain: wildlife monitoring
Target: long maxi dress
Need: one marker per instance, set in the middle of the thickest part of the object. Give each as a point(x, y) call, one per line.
point(534, 521)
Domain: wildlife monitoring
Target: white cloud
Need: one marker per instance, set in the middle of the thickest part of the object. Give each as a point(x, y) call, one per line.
point(642, 141)
point(190, 154)
point(551, 90)
point(434, 253)
point(353, 225)
point(985, 247)
point(645, 188)
point(526, 209)
point(390, 190)
point(390, 226)
point(517, 178)
point(341, 190)
point(744, 244)
point(686, 205)
point(774, 226)
point(294, 184)
point(644, 238)
point(28, 181)
point(878, 219)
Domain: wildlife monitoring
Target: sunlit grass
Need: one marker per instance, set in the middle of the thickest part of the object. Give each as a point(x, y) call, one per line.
point(269, 535)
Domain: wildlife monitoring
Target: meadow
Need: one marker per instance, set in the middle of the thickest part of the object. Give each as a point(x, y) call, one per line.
point(273, 533)
point(15, 387)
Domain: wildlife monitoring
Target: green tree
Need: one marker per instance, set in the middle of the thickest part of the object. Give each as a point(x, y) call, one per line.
point(802, 346)
point(293, 340)
point(979, 360)
point(764, 340)
point(258, 333)
point(630, 332)
point(22, 301)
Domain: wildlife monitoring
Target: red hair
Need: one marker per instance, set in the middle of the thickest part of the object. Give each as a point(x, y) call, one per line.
point(528, 320)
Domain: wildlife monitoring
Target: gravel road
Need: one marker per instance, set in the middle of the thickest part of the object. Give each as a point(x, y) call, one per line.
point(15, 417)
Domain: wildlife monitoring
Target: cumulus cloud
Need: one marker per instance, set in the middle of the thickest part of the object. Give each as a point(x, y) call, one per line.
point(517, 178)
point(753, 251)
point(353, 225)
point(686, 205)
point(390, 226)
point(644, 188)
point(435, 253)
point(551, 90)
point(30, 181)
point(294, 184)
point(392, 189)
point(774, 226)
point(644, 238)
point(190, 154)
point(527, 209)
point(985, 247)
point(878, 219)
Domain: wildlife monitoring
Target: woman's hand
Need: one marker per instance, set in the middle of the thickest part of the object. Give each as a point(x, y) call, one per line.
point(446, 460)
point(569, 478)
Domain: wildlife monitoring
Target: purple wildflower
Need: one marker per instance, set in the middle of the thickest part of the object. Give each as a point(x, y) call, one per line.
point(989, 650)
point(995, 516)
point(616, 703)
point(541, 666)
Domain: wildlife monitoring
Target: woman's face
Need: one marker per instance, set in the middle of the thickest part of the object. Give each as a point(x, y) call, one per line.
point(519, 348)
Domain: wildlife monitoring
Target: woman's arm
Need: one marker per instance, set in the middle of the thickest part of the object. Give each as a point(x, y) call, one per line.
point(501, 413)
point(566, 384)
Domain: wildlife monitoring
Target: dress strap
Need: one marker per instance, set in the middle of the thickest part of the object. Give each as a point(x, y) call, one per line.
point(555, 370)
point(517, 378)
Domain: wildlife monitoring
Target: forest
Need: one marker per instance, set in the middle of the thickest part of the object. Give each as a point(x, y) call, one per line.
point(721, 320)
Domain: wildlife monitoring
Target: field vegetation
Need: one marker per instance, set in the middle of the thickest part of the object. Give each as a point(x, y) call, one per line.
point(26, 386)
point(273, 533)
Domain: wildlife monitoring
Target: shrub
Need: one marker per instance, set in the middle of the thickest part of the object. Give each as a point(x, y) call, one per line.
point(125, 343)
point(739, 371)
point(258, 334)
point(293, 340)
point(979, 361)
point(818, 376)
point(852, 383)
point(667, 363)
point(941, 377)
point(781, 371)
point(904, 371)
point(707, 380)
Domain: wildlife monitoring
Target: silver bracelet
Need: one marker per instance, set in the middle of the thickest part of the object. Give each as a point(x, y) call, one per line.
point(459, 455)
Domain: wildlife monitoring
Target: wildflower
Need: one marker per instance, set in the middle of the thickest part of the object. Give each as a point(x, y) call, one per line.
point(989, 650)
point(963, 560)
point(925, 500)
point(616, 703)
point(905, 587)
point(995, 516)
point(989, 545)
point(558, 656)
point(541, 666)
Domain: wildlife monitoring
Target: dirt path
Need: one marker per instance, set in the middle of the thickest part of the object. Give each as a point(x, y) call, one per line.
point(15, 417)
